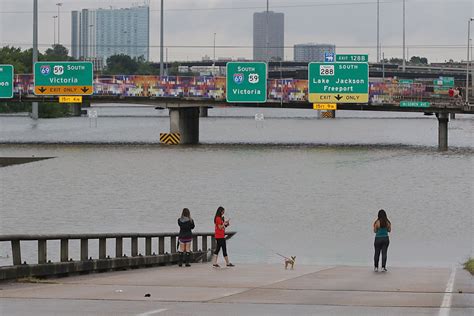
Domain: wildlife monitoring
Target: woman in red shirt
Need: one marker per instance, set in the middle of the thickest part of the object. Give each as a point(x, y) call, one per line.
point(220, 225)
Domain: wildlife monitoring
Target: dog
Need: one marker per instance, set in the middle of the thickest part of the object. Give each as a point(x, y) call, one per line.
point(290, 261)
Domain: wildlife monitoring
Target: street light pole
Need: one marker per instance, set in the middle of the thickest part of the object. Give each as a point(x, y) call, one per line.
point(267, 57)
point(54, 32)
point(162, 69)
point(214, 54)
point(383, 67)
point(378, 30)
point(34, 105)
point(59, 4)
point(468, 60)
point(403, 36)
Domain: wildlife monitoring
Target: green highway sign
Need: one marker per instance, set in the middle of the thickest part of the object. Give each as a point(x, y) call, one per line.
point(338, 82)
point(414, 104)
point(358, 58)
point(444, 81)
point(63, 78)
point(405, 81)
point(246, 82)
point(6, 81)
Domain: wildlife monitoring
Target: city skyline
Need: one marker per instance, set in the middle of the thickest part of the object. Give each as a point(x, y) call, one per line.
point(433, 28)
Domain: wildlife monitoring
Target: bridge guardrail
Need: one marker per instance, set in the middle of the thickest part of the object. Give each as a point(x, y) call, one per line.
point(214, 88)
point(45, 267)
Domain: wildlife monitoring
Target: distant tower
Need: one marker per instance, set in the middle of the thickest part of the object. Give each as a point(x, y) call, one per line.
point(274, 50)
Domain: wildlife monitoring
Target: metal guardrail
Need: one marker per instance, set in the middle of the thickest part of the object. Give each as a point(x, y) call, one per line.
point(45, 267)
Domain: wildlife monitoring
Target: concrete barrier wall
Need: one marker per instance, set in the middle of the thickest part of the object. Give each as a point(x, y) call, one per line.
point(44, 267)
point(97, 265)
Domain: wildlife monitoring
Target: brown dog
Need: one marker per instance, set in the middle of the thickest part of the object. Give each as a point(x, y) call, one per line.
point(290, 261)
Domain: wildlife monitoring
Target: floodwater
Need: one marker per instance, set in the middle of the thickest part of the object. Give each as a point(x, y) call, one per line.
point(291, 184)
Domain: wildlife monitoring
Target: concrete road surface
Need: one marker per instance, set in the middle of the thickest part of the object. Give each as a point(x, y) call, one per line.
point(247, 290)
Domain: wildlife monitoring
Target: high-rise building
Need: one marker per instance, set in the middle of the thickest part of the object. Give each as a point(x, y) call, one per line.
point(268, 36)
point(102, 33)
point(75, 34)
point(312, 52)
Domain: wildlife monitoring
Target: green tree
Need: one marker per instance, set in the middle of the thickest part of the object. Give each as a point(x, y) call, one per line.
point(145, 67)
point(417, 60)
point(56, 53)
point(121, 65)
point(398, 61)
point(21, 60)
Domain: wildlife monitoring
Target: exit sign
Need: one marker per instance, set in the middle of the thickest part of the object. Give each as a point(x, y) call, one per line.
point(6, 81)
point(63, 78)
point(358, 58)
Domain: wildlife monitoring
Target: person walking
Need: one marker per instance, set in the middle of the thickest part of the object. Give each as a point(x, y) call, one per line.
point(382, 227)
point(186, 224)
point(220, 225)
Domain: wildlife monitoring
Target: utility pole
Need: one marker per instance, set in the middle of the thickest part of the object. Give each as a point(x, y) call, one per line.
point(34, 106)
point(404, 64)
point(214, 55)
point(267, 57)
point(468, 59)
point(162, 69)
point(54, 29)
point(59, 4)
point(383, 67)
point(378, 30)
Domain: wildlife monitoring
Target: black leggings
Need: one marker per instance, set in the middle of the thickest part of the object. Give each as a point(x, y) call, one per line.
point(381, 244)
point(221, 244)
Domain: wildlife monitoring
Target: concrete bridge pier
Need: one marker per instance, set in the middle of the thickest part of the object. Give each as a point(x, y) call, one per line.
point(76, 109)
point(442, 131)
point(203, 111)
point(185, 121)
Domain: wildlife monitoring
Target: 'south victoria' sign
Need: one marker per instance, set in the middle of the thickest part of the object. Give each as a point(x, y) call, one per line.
point(246, 82)
point(63, 78)
point(338, 82)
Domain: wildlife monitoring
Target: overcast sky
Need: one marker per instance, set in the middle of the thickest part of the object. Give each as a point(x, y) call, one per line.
point(436, 29)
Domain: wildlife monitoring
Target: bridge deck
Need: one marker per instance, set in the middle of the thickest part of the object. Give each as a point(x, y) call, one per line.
point(248, 289)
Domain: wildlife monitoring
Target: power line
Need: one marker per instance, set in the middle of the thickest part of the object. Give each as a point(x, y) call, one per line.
point(243, 46)
point(289, 6)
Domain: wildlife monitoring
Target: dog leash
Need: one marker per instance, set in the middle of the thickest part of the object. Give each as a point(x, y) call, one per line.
point(282, 256)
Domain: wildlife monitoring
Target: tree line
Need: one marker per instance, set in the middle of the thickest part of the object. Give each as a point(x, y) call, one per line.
point(115, 65)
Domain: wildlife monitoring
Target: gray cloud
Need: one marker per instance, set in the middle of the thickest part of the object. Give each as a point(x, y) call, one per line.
point(350, 24)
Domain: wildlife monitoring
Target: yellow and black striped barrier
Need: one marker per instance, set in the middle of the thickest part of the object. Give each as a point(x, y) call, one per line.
point(170, 138)
point(327, 114)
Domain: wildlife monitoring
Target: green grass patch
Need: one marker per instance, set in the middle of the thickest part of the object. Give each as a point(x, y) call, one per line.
point(469, 265)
